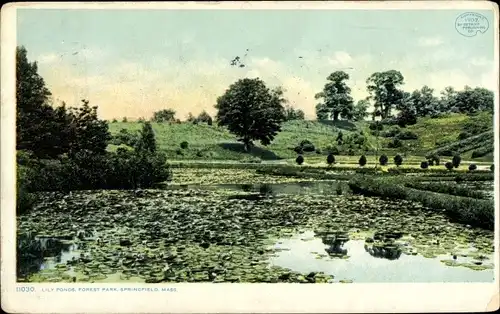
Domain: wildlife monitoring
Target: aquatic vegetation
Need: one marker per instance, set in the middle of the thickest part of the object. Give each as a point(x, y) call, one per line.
point(445, 188)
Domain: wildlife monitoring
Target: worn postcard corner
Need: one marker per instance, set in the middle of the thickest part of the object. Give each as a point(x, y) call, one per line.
point(256, 157)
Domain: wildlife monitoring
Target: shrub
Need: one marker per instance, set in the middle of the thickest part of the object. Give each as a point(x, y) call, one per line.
point(392, 132)
point(433, 159)
point(299, 160)
point(362, 161)
point(483, 151)
point(179, 151)
point(463, 135)
point(424, 165)
point(407, 135)
point(200, 153)
point(124, 119)
point(334, 150)
point(431, 162)
point(305, 142)
point(318, 151)
point(448, 165)
point(340, 138)
point(456, 161)
point(395, 143)
point(377, 126)
point(265, 189)
point(330, 159)
point(308, 148)
point(447, 188)
point(350, 152)
point(383, 160)
point(299, 149)
point(184, 145)
point(472, 167)
point(339, 189)
point(398, 160)
point(492, 168)
point(467, 144)
point(114, 121)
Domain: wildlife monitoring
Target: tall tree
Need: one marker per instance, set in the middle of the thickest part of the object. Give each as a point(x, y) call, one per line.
point(384, 91)
point(293, 114)
point(146, 142)
point(448, 100)
point(426, 104)
point(407, 110)
point(336, 96)
point(251, 111)
point(322, 112)
point(473, 100)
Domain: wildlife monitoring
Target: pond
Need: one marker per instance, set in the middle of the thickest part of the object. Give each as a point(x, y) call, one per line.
point(358, 262)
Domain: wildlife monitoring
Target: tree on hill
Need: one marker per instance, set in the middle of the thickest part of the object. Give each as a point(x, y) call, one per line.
point(384, 91)
point(293, 114)
point(407, 111)
point(251, 111)
point(474, 100)
point(425, 103)
point(322, 112)
point(336, 95)
point(146, 141)
point(359, 112)
point(164, 115)
point(204, 117)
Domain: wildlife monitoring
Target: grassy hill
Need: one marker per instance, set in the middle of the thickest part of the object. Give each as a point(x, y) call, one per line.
point(216, 143)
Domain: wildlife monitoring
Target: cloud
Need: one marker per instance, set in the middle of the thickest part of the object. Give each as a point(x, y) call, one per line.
point(429, 41)
point(47, 58)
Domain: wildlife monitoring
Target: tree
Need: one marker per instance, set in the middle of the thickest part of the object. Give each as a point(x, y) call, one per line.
point(251, 111)
point(384, 91)
point(447, 103)
point(359, 112)
point(340, 138)
point(425, 103)
point(407, 111)
point(473, 100)
point(398, 160)
point(448, 165)
point(362, 161)
point(383, 160)
point(472, 167)
point(204, 117)
point(330, 159)
point(293, 114)
point(456, 160)
point(299, 160)
point(336, 95)
point(164, 115)
point(147, 141)
point(322, 112)
point(424, 165)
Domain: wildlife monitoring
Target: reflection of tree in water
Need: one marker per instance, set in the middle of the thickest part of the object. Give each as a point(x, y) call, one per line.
point(32, 251)
point(388, 251)
point(335, 242)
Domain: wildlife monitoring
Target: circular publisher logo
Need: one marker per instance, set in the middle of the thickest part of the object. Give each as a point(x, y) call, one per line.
point(469, 24)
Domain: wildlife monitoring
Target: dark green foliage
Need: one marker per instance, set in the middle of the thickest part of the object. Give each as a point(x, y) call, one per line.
point(293, 114)
point(398, 160)
point(330, 159)
point(407, 135)
point(383, 160)
point(124, 136)
point(463, 136)
point(472, 167)
point(318, 151)
point(124, 119)
point(384, 90)
point(392, 132)
point(308, 148)
point(478, 123)
point(299, 160)
point(146, 141)
point(164, 115)
point(251, 111)
point(265, 189)
point(114, 120)
point(424, 165)
point(334, 150)
point(448, 165)
point(483, 151)
point(474, 100)
point(376, 126)
point(336, 96)
point(299, 149)
point(204, 117)
point(433, 159)
point(359, 112)
point(480, 213)
point(25, 200)
point(395, 143)
point(362, 161)
point(340, 138)
point(492, 168)
point(184, 145)
point(456, 161)
point(447, 188)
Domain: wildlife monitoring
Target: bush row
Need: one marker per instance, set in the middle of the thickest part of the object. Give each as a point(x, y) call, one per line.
point(484, 150)
point(464, 145)
point(451, 189)
point(480, 213)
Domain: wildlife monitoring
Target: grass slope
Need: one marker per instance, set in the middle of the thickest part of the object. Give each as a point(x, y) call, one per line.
point(217, 143)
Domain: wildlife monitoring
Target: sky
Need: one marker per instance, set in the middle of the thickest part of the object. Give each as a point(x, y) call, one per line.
point(131, 63)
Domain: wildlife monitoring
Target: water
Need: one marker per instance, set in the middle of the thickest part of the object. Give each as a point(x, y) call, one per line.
point(365, 267)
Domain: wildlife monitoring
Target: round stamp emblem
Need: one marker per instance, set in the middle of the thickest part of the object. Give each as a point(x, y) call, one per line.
point(469, 24)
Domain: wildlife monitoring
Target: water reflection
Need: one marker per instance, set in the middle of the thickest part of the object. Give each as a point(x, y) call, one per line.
point(335, 244)
point(390, 252)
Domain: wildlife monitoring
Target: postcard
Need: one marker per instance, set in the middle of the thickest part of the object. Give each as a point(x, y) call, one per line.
point(259, 157)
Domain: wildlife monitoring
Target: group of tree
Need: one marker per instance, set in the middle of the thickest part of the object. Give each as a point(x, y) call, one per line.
point(64, 149)
point(387, 97)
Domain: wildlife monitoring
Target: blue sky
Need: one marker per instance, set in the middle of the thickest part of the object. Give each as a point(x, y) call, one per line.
point(134, 62)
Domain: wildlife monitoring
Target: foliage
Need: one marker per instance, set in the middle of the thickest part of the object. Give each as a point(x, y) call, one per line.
point(125, 120)
point(299, 149)
point(433, 159)
point(392, 132)
point(336, 95)
point(483, 151)
point(164, 115)
point(376, 126)
point(474, 100)
point(299, 160)
point(447, 188)
point(184, 145)
point(205, 118)
point(384, 91)
point(362, 160)
point(449, 165)
point(359, 112)
point(470, 143)
point(330, 159)
point(383, 160)
point(407, 135)
point(424, 165)
point(472, 167)
point(407, 111)
point(293, 114)
point(398, 160)
point(492, 168)
point(125, 137)
point(395, 143)
point(478, 123)
point(456, 161)
point(426, 104)
point(250, 110)
point(146, 141)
